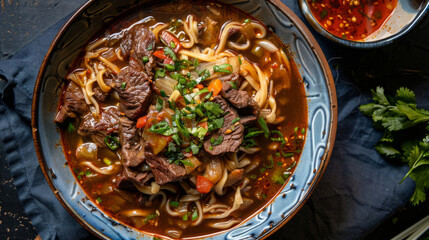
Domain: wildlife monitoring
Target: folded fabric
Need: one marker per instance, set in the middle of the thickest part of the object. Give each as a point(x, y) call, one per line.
point(359, 188)
point(18, 75)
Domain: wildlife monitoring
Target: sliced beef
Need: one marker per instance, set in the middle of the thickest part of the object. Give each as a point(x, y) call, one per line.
point(99, 94)
point(162, 169)
point(101, 126)
point(248, 120)
point(239, 99)
point(129, 176)
point(134, 90)
point(132, 144)
point(139, 42)
point(231, 139)
point(74, 104)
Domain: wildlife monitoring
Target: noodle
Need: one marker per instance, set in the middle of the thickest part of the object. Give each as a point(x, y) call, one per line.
point(104, 170)
point(169, 211)
point(191, 29)
point(100, 81)
point(221, 183)
point(200, 214)
point(95, 54)
point(162, 194)
point(224, 225)
point(273, 105)
point(96, 44)
point(159, 28)
point(199, 56)
point(238, 200)
point(190, 198)
point(109, 64)
point(261, 95)
point(215, 206)
point(224, 35)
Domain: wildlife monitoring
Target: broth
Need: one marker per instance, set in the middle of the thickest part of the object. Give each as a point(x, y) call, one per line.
point(264, 163)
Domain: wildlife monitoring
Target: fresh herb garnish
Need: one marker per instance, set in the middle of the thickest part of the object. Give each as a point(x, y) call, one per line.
point(169, 67)
point(123, 85)
point(160, 127)
point(235, 120)
point(159, 73)
point(145, 59)
point(169, 52)
point(233, 84)
point(112, 142)
point(194, 215)
point(216, 141)
point(174, 203)
point(406, 134)
point(264, 126)
point(159, 104)
point(222, 68)
point(70, 127)
point(203, 75)
point(150, 47)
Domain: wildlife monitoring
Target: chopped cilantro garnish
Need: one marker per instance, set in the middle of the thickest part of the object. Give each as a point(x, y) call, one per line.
point(169, 52)
point(235, 120)
point(159, 73)
point(213, 108)
point(145, 59)
point(264, 126)
point(216, 141)
point(194, 215)
point(233, 84)
point(186, 163)
point(150, 47)
point(159, 104)
point(169, 67)
point(70, 127)
point(222, 68)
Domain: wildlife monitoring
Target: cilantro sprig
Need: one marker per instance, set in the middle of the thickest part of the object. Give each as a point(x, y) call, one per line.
point(406, 134)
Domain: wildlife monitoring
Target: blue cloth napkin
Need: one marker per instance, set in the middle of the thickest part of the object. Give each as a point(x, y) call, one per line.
point(357, 192)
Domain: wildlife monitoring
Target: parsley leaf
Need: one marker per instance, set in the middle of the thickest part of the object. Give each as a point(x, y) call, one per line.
point(404, 126)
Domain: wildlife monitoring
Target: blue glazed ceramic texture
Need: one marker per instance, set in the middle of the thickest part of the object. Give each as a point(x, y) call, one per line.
point(320, 93)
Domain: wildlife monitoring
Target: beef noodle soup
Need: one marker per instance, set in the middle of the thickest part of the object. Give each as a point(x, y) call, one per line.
point(183, 120)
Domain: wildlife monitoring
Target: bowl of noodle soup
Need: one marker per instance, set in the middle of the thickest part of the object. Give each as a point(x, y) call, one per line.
point(184, 119)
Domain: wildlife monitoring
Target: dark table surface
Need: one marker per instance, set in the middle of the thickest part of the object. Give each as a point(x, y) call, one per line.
point(404, 62)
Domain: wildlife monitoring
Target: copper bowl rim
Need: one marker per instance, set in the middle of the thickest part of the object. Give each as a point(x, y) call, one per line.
point(325, 158)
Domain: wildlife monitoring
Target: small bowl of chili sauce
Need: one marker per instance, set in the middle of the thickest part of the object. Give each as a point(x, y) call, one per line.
point(363, 23)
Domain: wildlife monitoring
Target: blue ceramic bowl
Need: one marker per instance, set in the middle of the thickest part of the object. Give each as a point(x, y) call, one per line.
point(322, 117)
point(405, 16)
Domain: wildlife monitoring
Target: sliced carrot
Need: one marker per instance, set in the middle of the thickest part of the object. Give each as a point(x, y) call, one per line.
point(171, 41)
point(141, 122)
point(203, 125)
point(161, 54)
point(199, 86)
point(215, 86)
point(204, 185)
